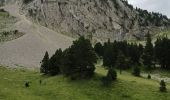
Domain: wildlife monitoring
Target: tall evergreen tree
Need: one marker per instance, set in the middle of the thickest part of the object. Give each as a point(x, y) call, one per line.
point(162, 86)
point(110, 55)
point(82, 58)
point(121, 61)
point(55, 63)
point(99, 49)
point(162, 52)
point(45, 64)
point(148, 53)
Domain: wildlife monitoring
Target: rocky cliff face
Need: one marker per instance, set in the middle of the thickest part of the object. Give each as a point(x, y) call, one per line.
point(96, 19)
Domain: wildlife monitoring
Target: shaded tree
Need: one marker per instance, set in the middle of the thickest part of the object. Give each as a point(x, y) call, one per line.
point(121, 61)
point(162, 86)
point(110, 55)
point(148, 53)
point(162, 52)
point(81, 58)
point(45, 64)
point(99, 49)
point(136, 71)
point(55, 63)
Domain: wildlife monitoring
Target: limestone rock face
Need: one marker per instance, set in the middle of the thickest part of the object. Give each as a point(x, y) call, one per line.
point(96, 19)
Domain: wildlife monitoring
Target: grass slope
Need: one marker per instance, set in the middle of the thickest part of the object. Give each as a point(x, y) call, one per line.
point(127, 87)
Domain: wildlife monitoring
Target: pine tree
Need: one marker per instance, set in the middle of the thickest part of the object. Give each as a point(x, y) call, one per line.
point(162, 52)
point(45, 64)
point(99, 49)
point(136, 71)
point(111, 75)
point(121, 61)
point(148, 53)
point(55, 63)
point(110, 55)
point(149, 76)
point(81, 58)
point(162, 86)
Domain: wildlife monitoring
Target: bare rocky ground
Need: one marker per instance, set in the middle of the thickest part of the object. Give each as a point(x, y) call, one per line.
point(29, 49)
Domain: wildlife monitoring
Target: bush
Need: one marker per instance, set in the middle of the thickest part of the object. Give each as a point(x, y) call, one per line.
point(111, 75)
point(2, 10)
point(149, 76)
point(162, 86)
point(27, 84)
point(136, 71)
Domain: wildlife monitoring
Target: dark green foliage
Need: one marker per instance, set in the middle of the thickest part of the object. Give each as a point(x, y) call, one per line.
point(55, 63)
point(67, 64)
point(151, 18)
point(27, 84)
point(136, 71)
point(45, 64)
point(40, 81)
point(110, 55)
point(132, 53)
point(146, 18)
point(162, 86)
point(121, 62)
point(99, 49)
point(127, 4)
point(135, 52)
point(79, 59)
point(148, 55)
point(149, 76)
point(75, 62)
point(27, 1)
point(2, 10)
point(111, 75)
point(162, 52)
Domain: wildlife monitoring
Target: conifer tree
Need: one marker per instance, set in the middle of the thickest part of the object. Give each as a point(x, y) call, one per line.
point(55, 63)
point(162, 86)
point(99, 49)
point(110, 55)
point(121, 61)
point(81, 58)
point(148, 53)
point(162, 52)
point(45, 64)
point(136, 71)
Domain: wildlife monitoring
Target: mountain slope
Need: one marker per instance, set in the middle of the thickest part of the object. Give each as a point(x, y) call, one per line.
point(95, 19)
point(29, 49)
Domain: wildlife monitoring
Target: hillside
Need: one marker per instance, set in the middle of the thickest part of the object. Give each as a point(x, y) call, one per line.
point(95, 19)
point(46, 25)
point(127, 87)
point(28, 50)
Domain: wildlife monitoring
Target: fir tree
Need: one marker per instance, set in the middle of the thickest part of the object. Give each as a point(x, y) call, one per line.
point(110, 55)
point(99, 49)
point(121, 61)
point(162, 86)
point(162, 52)
point(55, 63)
point(81, 58)
point(148, 53)
point(136, 71)
point(45, 64)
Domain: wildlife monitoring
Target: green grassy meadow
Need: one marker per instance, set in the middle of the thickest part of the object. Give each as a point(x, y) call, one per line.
point(127, 87)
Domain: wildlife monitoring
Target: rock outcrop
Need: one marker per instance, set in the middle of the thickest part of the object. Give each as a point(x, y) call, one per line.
point(95, 19)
